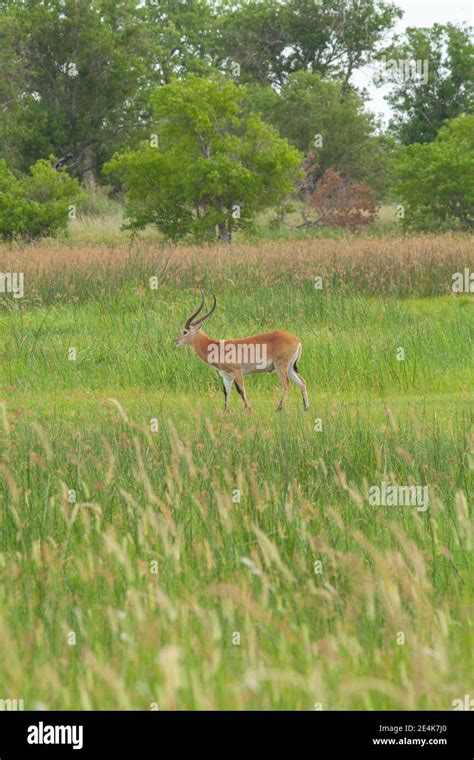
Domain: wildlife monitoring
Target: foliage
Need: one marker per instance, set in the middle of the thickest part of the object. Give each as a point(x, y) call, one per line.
point(211, 166)
point(182, 36)
point(77, 76)
point(320, 116)
point(98, 202)
point(421, 107)
point(83, 76)
point(271, 40)
point(35, 205)
point(341, 202)
point(435, 181)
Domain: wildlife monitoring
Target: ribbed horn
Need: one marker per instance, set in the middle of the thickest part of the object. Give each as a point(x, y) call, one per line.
point(187, 324)
point(201, 319)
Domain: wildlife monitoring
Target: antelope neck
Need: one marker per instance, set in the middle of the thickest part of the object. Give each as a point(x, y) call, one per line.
point(201, 345)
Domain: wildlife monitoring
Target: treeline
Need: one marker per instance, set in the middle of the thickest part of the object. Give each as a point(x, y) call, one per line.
point(81, 80)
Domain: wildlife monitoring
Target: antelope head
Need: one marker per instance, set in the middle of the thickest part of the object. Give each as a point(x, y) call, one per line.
point(191, 328)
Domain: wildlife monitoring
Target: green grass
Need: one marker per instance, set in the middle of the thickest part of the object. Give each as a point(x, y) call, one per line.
point(100, 220)
point(131, 569)
point(350, 344)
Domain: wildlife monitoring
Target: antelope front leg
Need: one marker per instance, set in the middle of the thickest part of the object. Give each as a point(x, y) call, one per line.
point(228, 381)
point(239, 384)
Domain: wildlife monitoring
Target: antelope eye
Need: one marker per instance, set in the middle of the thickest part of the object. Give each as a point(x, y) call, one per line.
point(185, 332)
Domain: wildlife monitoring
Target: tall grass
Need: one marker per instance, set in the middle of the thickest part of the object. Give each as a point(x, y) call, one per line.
point(156, 553)
point(398, 266)
point(228, 563)
point(125, 340)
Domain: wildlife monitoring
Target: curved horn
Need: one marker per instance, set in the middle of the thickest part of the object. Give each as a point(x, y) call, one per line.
point(201, 319)
point(187, 324)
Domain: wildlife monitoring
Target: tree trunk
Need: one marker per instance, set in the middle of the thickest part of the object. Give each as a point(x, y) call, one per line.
point(88, 168)
point(224, 234)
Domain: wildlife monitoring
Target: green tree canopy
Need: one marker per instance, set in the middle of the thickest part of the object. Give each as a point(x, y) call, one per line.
point(37, 204)
point(209, 166)
point(83, 70)
point(182, 37)
point(436, 179)
point(77, 74)
point(421, 107)
point(320, 116)
point(270, 40)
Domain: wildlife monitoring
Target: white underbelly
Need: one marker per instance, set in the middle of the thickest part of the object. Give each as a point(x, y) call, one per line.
point(264, 367)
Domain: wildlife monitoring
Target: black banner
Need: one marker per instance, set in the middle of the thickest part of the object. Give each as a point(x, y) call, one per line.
point(377, 734)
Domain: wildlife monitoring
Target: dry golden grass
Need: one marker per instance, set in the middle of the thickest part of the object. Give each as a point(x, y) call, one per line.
point(403, 266)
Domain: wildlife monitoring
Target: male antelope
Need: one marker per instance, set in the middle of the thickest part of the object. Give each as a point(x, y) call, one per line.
point(277, 351)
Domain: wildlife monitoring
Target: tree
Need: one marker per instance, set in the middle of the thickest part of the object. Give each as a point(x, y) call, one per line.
point(444, 87)
point(435, 181)
point(182, 35)
point(12, 72)
point(77, 74)
point(208, 167)
point(83, 70)
point(270, 40)
point(37, 204)
point(319, 116)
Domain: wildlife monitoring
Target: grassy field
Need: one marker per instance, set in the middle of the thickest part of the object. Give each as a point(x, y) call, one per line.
point(158, 554)
point(102, 223)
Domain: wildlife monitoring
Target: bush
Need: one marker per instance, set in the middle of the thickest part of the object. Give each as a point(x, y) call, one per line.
point(341, 202)
point(36, 205)
point(435, 181)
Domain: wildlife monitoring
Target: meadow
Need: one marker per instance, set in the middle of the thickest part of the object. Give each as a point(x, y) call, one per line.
point(157, 553)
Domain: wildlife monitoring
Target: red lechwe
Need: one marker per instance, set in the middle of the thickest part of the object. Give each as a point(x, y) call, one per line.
point(277, 351)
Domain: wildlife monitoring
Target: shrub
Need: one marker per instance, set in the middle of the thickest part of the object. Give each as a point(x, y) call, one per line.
point(341, 202)
point(36, 205)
